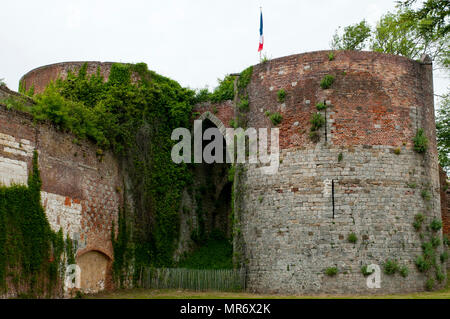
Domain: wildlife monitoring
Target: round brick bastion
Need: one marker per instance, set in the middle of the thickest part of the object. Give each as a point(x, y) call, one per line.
point(354, 179)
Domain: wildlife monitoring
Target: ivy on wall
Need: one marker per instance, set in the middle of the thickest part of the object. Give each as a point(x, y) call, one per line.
point(133, 114)
point(31, 254)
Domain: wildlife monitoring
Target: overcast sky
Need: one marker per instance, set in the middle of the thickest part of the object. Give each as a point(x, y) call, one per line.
point(194, 42)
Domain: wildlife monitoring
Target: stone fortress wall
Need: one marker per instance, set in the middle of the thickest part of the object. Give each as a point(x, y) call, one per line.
point(80, 190)
point(295, 223)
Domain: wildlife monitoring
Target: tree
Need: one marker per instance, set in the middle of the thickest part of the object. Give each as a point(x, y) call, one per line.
point(432, 21)
point(354, 37)
point(409, 32)
point(443, 132)
point(395, 35)
point(434, 15)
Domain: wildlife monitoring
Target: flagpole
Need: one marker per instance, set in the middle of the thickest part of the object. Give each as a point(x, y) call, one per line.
point(260, 12)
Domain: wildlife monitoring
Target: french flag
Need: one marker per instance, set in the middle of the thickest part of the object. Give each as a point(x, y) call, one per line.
point(261, 36)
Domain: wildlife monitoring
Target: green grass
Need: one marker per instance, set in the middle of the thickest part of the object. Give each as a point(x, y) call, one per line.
point(214, 254)
point(185, 294)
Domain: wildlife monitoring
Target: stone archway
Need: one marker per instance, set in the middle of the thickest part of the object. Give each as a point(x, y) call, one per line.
point(217, 122)
point(95, 271)
point(212, 182)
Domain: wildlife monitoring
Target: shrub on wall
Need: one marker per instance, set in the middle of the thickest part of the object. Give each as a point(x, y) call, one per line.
point(317, 121)
point(418, 220)
point(436, 225)
point(420, 141)
point(404, 271)
point(331, 271)
point(321, 106)
point(352, 238)
point(327, 81)
point(244, 78)
point(390, 267)
point(330, 56)
point(244, 105)
point(276, 118)
point(281, 95)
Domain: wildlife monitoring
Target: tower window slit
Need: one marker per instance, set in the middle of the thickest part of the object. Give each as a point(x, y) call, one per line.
point(332, 195)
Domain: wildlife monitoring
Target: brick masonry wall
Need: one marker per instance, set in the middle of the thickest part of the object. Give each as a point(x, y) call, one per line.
point(377, 103)
point(42, 76)
point(79, 190)
point(224, 111)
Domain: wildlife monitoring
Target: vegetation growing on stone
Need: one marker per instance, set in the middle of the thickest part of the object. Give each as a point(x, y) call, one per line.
point(331, 56)
point(331, 271)
point(352, 238)
point(244, 78)
point(435, 225)
point(32, 256)
point(321, 106)
point(429, 284)
point(412, 185)
point(317, 121)
point(445, 240)
point(404, 271)
point(390, 267)
point(440, 276)
point(422, 264)
point(435, 241)
point(275, 118)
point(327, 81)
point(244, 105)
point(281, 95)
point(418, 220)
point(444, 256)
point(426, 195)
point(420, 141)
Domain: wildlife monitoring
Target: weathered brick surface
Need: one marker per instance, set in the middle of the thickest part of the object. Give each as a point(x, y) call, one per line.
point(224, 111)
point(79, 191)
point(290, 235)
point(374, 99)
point(42, 76)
